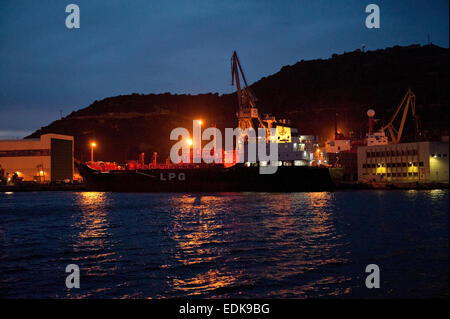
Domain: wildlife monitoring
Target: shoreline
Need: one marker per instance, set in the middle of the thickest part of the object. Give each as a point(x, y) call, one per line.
point(390, 186)
point(42, 187)
point(339, 187)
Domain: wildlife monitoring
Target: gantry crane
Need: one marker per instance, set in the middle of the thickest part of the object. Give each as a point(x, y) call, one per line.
point(408, 101)
point(246, 99)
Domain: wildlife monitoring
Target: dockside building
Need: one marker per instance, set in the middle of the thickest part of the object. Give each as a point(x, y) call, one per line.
point(404, 162)
point(48, 158)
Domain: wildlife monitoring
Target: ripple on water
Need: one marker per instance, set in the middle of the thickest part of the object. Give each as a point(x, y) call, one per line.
point(295, 245)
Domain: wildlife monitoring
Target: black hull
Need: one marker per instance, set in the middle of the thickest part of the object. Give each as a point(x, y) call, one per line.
point(212, 179)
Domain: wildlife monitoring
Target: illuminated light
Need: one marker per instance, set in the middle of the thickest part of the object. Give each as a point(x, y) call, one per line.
point(18, 173)
point(199, 122)
point(41, 173)
point(190, 142)
point(93, 144)
point(283, 134)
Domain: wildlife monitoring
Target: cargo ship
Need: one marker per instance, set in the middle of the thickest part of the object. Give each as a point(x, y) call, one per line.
point(211, 178)
point(297, 167)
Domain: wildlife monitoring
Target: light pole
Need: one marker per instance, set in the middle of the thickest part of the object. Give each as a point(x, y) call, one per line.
point(187, 159)
point(200, 142)
point(93, 144)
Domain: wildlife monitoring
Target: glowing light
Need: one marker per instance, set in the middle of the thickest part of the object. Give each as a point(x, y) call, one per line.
point(190, 142)
point(41, 173)
point(199, 122)
point(93, 145)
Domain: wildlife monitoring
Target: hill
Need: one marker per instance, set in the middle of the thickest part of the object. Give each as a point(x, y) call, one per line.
point(309, 93)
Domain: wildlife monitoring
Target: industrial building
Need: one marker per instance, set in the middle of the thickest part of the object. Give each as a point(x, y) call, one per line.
point(48, 158)
point(404, 162)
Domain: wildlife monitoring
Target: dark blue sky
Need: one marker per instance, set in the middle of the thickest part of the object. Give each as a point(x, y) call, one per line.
point(126, 46)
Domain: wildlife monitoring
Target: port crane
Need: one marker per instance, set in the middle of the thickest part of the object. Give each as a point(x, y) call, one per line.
point(246, 99)
point(408, 101)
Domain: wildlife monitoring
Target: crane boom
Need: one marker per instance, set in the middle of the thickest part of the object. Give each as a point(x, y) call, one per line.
point(245, 96)
point(246, 99)
point(408, 101)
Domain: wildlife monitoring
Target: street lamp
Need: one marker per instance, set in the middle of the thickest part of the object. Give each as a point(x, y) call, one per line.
point(200, 142)
point(93, 144)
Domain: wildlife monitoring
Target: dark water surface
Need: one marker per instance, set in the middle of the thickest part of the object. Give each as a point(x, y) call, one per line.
point(224, 245)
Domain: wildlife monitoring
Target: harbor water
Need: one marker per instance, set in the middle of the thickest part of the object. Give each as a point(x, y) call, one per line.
point(241, 245)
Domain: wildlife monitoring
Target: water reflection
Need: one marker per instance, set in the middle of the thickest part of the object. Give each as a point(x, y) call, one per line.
point(251, 245)
point(93, 224)
point(286, 235)
point(199, 235)
point(92, 242)
point(304, 234)
point(210, 280)
point(320, 207)
point(194, 227)
point(437, 194)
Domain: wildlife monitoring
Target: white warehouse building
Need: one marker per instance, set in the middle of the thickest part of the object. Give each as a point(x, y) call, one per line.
point(48, 158)
point(404, 162)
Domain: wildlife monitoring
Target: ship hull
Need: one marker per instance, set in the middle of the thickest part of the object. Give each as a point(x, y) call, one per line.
point(210, 179)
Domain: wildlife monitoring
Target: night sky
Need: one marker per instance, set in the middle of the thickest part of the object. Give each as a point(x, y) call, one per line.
point(149, 46)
